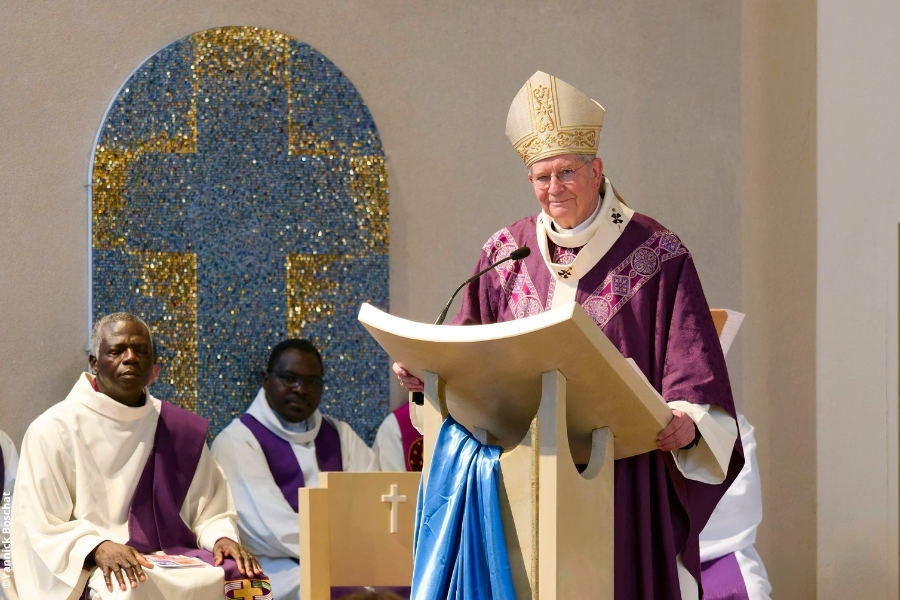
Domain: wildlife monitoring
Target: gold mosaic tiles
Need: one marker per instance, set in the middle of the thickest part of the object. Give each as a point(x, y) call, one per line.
point(240, 196)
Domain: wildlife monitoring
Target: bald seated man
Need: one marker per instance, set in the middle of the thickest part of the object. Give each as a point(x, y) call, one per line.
point(111, 476)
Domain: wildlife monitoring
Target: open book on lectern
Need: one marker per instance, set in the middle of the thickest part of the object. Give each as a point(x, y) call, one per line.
point(493, 375)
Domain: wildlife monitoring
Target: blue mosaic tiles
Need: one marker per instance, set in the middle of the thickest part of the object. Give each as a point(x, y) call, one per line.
point(239, 197)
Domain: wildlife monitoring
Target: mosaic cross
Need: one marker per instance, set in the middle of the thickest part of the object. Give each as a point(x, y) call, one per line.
point(239, 197)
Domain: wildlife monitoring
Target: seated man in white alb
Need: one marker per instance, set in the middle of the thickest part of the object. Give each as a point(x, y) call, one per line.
point(9, 458)
point(280, 444)
point(111, 475)
point(728, 557)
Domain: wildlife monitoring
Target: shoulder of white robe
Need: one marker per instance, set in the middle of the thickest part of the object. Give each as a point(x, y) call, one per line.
point(356, 454)
point(10, 462)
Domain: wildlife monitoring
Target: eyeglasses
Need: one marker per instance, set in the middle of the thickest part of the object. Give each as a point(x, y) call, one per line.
point(565, 176)
point(312, 383)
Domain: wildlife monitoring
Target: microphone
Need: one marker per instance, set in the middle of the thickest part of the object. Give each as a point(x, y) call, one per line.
point(517, 254)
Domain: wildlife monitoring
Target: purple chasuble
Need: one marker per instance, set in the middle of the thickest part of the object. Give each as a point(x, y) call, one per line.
point(154, 520)
point(283, 462)
point(723, 580)
point(412, 440)
point(645, 295)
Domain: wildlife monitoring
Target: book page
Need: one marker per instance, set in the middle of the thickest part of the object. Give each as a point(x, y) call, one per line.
point(174, 561)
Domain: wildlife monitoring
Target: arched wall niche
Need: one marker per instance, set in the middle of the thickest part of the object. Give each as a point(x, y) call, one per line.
point(239, 197)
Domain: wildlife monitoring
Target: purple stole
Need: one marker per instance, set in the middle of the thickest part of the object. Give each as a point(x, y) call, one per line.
point(412, 439)
point(154, 522)
point(723, 580)
point(283, 462)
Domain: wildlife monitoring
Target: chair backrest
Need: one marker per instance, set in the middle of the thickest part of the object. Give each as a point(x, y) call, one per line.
point(356, 529)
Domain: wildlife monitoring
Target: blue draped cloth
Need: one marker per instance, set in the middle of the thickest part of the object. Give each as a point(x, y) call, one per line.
point(459, 549)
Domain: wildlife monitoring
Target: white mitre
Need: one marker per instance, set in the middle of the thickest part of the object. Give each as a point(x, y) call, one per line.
point(549, 117)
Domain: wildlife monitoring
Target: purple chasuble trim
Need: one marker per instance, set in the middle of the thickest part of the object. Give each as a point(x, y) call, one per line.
point(723, 580)
point(518, 287)
point(154, 519)
point(412, 440)
point(283, 462)
point(630, 275)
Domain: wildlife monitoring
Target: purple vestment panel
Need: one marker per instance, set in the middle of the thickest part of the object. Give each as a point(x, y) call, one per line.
point(646, 296)
point(283, 462)
point(723, 580)
point(412, 440)
point(154, 519)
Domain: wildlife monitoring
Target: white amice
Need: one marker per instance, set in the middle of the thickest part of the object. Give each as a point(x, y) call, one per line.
point(595, 237)
point(80, 464)
point(268, 524)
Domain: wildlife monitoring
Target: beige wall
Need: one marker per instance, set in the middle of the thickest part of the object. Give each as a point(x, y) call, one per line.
point(778, 267)
point(711, 129)
point(857, 268)
point(438, 78)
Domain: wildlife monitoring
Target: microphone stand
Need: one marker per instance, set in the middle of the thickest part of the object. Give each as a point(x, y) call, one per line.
point(517, 254)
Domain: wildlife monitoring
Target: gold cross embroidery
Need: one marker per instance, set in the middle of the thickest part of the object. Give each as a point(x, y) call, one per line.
point(564, 273)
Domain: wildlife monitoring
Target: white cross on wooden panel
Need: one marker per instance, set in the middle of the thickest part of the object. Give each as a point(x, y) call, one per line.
point(393, 498)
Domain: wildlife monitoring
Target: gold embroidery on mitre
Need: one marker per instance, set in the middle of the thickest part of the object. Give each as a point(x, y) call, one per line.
point(549, 117)
point(581, 141)
point(543, 108)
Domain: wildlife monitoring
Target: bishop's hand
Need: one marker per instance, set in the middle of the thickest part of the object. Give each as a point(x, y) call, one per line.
point(246, 564)
point(122, 561)
point(680, 432)
point(408, 381)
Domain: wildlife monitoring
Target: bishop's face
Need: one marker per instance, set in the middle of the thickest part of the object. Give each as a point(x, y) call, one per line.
point(567, 187)
point(294, 386)
point(124, 365)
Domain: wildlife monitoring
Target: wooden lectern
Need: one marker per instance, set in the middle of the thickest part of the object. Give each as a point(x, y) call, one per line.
point(554, 392)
